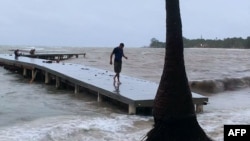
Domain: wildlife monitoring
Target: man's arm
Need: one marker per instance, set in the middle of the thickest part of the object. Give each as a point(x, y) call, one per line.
point(125, 56)
point(111, 56)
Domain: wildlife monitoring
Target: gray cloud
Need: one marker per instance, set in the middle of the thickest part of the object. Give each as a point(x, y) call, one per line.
point(106, 23)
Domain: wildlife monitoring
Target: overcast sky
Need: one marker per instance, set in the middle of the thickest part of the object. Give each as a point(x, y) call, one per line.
point(106, 23)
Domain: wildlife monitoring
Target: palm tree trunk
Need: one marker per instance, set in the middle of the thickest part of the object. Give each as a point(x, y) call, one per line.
point(173, 111)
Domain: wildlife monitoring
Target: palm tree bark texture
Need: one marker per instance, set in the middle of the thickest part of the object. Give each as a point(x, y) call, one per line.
point(173, 110)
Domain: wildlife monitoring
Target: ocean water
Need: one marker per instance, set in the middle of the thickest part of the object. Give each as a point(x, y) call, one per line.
point(39, 112)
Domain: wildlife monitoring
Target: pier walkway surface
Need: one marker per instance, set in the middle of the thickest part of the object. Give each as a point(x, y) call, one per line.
point(133, 92)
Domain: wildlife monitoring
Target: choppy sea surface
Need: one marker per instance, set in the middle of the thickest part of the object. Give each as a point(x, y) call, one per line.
point(39, 112)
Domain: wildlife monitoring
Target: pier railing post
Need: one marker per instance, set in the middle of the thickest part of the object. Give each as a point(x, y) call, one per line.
point(47, 78)
point(99, 97)
point(34, 72)
point(24, 72)
point(198, 108)
point(58, 83)
point(131, 109)
point(76, 89)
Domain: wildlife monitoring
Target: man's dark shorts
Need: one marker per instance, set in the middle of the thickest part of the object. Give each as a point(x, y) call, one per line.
point(118, 66)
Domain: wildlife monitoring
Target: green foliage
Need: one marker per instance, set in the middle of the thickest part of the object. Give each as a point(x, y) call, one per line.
point(247, 43)
point(208, 43)
point(156, 43)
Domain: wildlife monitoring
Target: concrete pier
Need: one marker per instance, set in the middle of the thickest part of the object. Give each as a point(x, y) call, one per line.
point(54, 56)
point(133, 92)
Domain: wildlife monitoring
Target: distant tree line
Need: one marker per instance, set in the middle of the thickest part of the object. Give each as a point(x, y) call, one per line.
point(208, 43)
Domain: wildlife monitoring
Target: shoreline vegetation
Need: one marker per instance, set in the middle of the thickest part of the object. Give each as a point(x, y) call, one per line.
point(227, 43)
point(235, 42)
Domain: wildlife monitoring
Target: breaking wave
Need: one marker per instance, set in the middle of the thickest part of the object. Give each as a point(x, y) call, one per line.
point(219, 85)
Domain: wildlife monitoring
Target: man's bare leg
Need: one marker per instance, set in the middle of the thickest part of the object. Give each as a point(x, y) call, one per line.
point(116, 75)
point(118, 78)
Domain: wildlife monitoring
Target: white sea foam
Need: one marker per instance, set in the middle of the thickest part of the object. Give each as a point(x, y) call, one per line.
point(67, 128)
point(230, 107)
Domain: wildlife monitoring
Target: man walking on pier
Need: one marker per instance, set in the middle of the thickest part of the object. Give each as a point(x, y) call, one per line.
point(118, 52)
